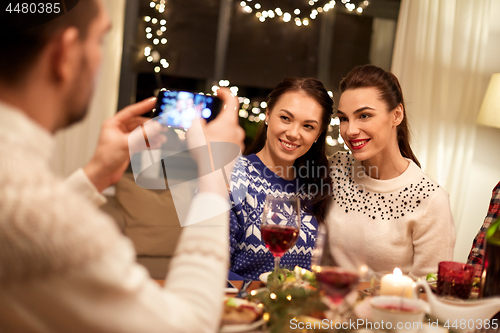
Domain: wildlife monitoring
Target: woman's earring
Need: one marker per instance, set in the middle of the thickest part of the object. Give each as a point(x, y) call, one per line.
point(266, 122)
point(315, 140)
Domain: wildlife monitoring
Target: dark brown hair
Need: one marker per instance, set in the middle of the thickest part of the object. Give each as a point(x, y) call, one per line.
point(369, 76)
point(316, 155)
point(20, 48)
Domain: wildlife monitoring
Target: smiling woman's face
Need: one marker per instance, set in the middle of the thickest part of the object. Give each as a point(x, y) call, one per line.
point(366, 126)
point(293, 125)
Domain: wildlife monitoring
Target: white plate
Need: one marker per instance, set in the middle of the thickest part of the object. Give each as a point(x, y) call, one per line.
point(263, 277)
point(242, 328)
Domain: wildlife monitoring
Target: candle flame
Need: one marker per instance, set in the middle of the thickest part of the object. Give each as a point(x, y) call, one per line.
point(363, 269)
point(397, 272)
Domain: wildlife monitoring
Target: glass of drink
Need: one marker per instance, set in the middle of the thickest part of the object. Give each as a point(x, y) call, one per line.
point(280, 226)
point(334, 280)
point(454, 279)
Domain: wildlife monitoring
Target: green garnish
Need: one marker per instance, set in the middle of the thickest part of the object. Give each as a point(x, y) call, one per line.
point(431, 277)
point(283, 274)
point(231, 302)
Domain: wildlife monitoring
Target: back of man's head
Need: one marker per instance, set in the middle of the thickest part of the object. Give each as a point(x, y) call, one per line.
point(24, 35)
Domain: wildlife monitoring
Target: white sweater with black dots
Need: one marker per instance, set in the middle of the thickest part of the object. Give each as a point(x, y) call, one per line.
point(403, 222)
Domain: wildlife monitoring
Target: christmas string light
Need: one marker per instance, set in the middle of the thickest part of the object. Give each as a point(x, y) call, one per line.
point(155, 33)
point(250, 111)
point(302, 16)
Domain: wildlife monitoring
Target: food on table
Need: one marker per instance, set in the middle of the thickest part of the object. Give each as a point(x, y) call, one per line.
point(298, 276)
point(282, 275)
point(431, 277)
point(240, 312)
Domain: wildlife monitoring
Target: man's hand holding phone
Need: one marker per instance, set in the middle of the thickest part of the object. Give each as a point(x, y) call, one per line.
point(111, 157)
point(178, 108)
point(223, 130)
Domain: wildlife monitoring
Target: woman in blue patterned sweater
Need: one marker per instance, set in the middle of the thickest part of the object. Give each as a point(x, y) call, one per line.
point(287, 158)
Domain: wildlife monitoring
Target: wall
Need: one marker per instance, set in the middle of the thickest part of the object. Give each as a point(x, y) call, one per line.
point(382, 42)
point(76, 145)
point(485, 170)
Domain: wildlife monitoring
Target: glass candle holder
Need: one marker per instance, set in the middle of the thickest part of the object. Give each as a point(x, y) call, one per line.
point(454, 279)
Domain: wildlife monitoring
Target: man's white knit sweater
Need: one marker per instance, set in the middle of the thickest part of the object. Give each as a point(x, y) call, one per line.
point(64, 266)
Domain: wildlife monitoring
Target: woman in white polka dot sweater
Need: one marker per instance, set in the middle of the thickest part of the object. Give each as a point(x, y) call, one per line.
point(382, 199)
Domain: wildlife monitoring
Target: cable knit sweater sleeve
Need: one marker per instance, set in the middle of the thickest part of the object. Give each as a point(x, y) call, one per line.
point(79, 182)
point(433, 236)
point(64, 266)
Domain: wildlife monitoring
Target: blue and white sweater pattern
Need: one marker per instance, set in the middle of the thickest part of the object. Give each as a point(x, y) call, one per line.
point(251, 181)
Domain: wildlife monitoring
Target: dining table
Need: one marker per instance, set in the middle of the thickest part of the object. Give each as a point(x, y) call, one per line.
point(363, 287)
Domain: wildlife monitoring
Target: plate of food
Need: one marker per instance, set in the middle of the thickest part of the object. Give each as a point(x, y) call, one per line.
point(263, 277)
point(240, 315)
point(297, 276)
point(431, 279)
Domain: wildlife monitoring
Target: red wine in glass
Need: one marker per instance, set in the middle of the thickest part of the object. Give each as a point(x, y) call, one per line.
point(280, 225)
point(279, 238)
point(336, 282)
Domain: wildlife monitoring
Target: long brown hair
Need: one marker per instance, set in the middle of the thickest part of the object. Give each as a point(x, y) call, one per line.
point(316, 155)
point(369, 76)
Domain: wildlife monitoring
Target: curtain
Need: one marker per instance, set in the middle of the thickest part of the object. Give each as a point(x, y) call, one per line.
point(75, 145)
point(439, 58)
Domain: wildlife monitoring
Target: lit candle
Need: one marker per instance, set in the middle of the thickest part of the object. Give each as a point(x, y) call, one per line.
point(396, 284)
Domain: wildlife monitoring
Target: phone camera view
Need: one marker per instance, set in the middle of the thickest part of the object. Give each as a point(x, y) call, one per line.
point(179, 108)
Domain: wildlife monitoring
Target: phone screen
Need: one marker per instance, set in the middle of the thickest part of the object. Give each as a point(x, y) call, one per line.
point(179, 108)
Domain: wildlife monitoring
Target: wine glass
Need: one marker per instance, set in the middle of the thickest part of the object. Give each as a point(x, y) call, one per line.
point(280, 226)
point(334, 279)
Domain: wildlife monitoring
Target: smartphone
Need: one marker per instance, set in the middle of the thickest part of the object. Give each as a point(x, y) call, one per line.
point(230, 288)
point(178, 108)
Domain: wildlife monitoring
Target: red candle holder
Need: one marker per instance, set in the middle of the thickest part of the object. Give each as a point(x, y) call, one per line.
point(455, 279)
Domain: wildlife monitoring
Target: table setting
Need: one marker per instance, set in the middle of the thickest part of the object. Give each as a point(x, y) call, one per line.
point(300, 300)
point(301, 305)
point(333, 297)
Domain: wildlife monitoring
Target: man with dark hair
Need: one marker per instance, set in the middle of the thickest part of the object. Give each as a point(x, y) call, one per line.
point(24, 35)
point(64, 266)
